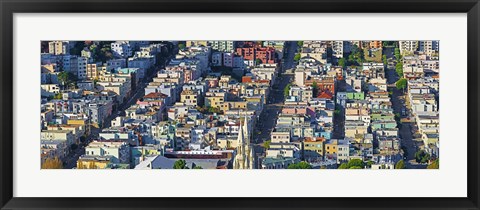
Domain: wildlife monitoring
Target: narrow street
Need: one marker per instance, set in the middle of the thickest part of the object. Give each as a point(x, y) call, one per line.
point(398, 104)
point(339, 119)
point(275, 101)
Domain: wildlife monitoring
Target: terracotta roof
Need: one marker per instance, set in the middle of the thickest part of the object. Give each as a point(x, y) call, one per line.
point(155, 95)
point(325, 94)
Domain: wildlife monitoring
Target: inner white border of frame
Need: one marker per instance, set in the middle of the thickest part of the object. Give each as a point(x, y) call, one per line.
point(449, 181)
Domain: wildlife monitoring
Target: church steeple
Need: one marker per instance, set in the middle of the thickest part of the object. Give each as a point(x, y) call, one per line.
point(244, 154)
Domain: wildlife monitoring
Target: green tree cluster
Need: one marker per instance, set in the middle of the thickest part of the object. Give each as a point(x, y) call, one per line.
point(180, 164)
point(286, 90)
point(397, 54)
point(77, 48)
point(401, 84)
point(314, 89)
point(352, 164)
point(434, 165)
point(300, 165)
point(400, 165)
point(297, 57)
point(356, 56)
point(181, 46)
point(399, 69)
point(209, 110)
point(300, 43)
point(101, 52)
point(266, 144)
point(58, 96)
point(67, 79)
point(422, 157)
point(258, 61)
point(384, 59)
point(342, 62)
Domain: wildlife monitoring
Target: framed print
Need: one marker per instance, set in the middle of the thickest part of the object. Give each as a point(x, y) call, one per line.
point(261, 104)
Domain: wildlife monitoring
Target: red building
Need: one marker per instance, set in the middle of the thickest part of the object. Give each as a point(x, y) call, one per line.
point(265, 54)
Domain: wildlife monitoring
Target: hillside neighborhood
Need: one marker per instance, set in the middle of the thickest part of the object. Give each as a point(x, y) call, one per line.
point(239, 105)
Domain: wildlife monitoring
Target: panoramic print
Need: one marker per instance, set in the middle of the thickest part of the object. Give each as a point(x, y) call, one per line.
point(256, 104)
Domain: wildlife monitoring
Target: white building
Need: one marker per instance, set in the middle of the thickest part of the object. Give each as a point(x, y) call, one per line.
point(122, 49)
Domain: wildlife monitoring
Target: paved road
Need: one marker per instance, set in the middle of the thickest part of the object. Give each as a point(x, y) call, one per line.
point(275, 101)
point(339, 120)
point(398, 103)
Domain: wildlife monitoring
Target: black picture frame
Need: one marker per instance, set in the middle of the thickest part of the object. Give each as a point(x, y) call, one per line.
point(10, 7)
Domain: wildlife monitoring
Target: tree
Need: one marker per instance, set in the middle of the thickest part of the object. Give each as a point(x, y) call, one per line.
point(370, 163)
point(400, 165)
point(355, 163)
point(101, 52)
point(434, 165)
point(77, 48)
point(343, 166)
point(297, 57)
point(401, 84)
point(58, 96)
point(67, 78)
point(180, 164)
point(197, 167)
point(399, 69)
point(266, 144)
point(314, 89)
point(421, 156)
point(397, 54)
point(336, 112)
point(213, 110)
point(300, 165)
point(286, 90)
point(258, 61)
point(181, 46)
point(54, 163)
point(356, 56)
point(342, 62)
point(300, 43)
point(384, 59)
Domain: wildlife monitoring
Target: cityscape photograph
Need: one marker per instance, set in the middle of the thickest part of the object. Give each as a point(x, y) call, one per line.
point(251, 104)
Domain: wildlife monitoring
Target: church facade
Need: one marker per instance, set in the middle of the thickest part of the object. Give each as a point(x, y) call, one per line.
point(244, 158)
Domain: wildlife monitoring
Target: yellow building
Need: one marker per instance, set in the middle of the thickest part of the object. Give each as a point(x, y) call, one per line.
point(95, 71)
point(196, 43)
point(331, 147)
point(227, 142)
point(93, 163)
point(228, 105)
point(255, 98)
point(189, 97)
point(58, 47)
point(214, 99)
point(314, 147)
